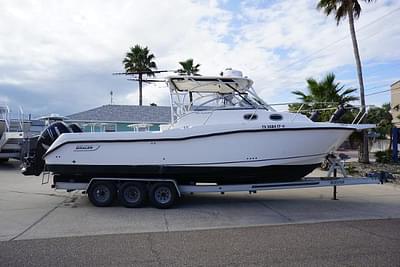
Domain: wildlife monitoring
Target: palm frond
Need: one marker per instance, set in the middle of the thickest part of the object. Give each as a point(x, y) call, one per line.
point(341, 13)
point(356, 9)
point(348, 91)
point(188, 68)
point(340, 8)
point(139, 59)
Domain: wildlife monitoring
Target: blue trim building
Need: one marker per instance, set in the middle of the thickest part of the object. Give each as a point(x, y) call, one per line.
point(111, 118)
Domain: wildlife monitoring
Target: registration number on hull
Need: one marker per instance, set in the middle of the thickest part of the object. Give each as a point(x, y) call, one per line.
point(273, 126)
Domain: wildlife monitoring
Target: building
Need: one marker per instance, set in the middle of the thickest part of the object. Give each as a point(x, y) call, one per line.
point(395, 102)
point(111, 118)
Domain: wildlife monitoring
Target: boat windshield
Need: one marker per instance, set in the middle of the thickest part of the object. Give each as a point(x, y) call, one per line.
point(234, 100)
point(194, 93)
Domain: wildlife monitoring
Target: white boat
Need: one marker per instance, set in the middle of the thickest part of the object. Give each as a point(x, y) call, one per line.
point(220, 132)
point(17, 135)
point(12, 134)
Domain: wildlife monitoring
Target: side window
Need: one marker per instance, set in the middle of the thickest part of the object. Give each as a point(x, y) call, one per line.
point(251, 116)
point(275, 117)
point(110, 128)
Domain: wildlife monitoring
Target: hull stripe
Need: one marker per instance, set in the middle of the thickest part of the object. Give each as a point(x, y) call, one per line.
point(247, 161)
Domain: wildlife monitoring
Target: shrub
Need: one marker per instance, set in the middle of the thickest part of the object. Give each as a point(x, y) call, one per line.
point(383, 156)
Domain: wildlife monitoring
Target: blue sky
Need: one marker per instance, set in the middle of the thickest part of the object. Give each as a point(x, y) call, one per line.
point(58, 56)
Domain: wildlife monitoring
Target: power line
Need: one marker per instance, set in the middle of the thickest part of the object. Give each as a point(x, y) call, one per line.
point(379, 18)
point(383, 91)
point(337, 41)
point(378, 86)
point(380, 92)
point(370, 88)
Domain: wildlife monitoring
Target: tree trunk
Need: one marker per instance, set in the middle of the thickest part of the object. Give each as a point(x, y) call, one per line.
point(140, 89)
point(364, 153)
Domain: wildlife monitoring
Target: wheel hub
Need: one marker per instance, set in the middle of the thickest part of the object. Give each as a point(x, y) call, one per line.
point(102, 194)
point(163, 195)
point(132, 194)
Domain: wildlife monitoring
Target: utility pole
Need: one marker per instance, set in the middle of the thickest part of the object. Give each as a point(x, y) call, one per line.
point(111, 96)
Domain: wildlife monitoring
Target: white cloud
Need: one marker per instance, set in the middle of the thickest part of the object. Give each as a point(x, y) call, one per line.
point(4, 100)
point(152, 93)
point(67, 50)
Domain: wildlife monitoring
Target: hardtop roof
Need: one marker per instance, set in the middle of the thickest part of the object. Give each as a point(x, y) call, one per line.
point(210, 84)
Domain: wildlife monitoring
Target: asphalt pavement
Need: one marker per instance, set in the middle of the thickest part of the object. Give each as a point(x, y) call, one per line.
point(349, 243)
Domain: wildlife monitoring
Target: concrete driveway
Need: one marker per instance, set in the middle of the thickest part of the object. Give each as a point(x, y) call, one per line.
point(29, 210)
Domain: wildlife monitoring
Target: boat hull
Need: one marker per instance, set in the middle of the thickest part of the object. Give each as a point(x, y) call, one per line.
point(223, 157)
point(185, 175)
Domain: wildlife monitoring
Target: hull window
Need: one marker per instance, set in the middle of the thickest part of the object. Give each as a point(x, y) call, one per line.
point(276, 117)
point(250, 116)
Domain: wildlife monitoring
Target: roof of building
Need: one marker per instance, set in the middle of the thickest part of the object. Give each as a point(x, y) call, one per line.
point(396, 82)
point(125, 113)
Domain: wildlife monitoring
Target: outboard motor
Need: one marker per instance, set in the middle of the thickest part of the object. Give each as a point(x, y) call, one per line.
point(75, 128)
point(34, 165)
point(338, 114)
point(314, 116)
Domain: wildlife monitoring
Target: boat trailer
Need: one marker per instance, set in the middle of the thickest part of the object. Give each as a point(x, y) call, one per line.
point(162, 193)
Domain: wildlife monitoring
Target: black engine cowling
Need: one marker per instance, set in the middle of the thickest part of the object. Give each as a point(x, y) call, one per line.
point(34, 164)
point(75, 128)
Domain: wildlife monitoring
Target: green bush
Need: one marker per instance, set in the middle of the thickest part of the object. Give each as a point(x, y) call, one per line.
point(383, 156)
point(350, 169)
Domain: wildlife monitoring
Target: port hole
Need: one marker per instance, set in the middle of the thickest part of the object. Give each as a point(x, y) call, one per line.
point(276, 117)
point(250, 116)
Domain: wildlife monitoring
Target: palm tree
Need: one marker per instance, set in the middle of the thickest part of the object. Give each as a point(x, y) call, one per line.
point(139, 60)
point(323, 94)
point(351, 9)
point(188, 68)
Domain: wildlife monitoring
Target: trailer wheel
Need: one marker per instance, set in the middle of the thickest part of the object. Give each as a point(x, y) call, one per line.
point(102, 194)
point(162, 195)
point(132, 194)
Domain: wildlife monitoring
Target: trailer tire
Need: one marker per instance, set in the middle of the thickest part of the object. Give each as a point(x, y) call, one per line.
point(101, 193)
point(162, 195)
point(132, 194)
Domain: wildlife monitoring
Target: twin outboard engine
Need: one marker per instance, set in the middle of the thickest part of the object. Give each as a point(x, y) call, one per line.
point(34, 164)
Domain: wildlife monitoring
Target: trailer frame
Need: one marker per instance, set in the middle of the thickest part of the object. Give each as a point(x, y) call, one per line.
point(331, 180)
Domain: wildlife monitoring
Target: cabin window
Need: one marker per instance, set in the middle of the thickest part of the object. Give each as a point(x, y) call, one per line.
point(250, 116)
point(275, 117)
point(109, 127)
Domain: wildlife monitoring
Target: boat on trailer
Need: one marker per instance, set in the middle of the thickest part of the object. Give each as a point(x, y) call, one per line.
point(13, 133)
point(221, 132)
